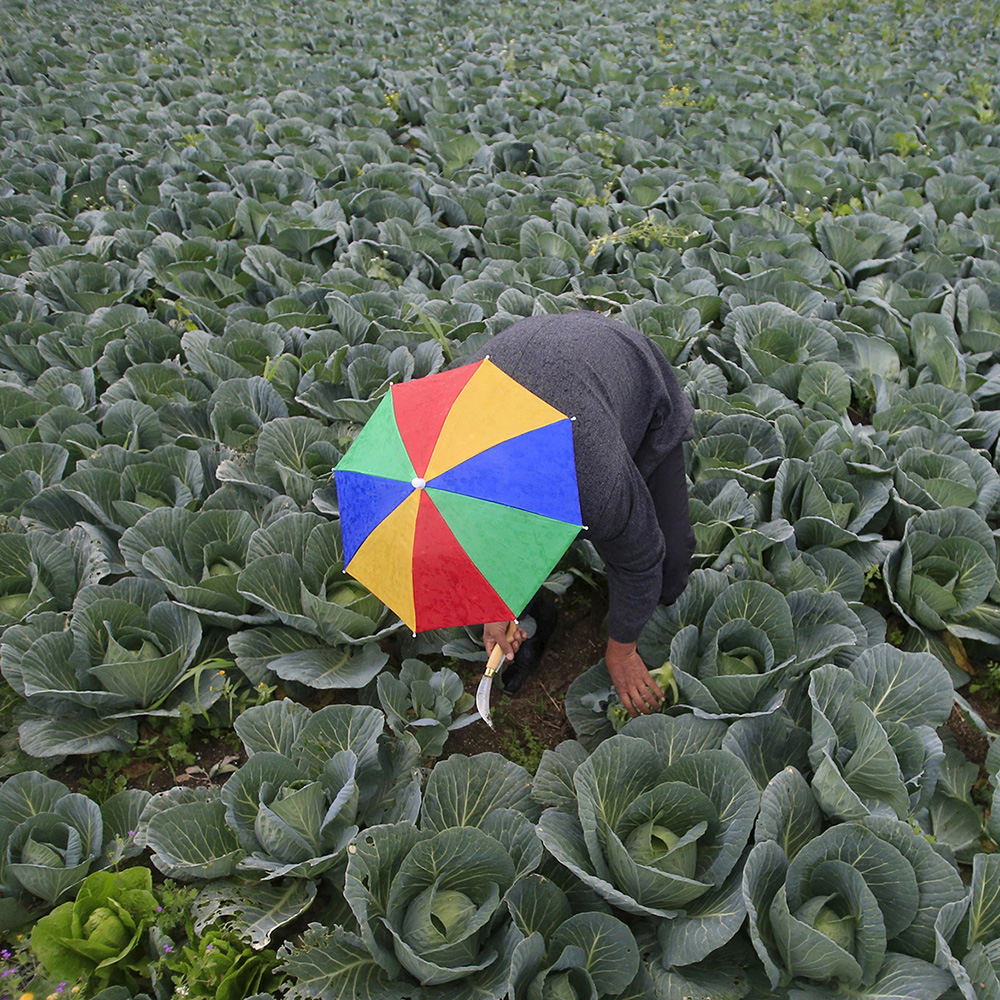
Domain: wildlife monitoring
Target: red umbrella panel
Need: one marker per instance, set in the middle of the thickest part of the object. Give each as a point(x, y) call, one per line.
point(458, 497)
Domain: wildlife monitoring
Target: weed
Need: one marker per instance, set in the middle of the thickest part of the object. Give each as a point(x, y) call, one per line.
point(104, 776)
point(804, 216)
point(519, 741)
point(679, 97)
point(847, 207)
point(429, 325)
point(604, 146)
point(873, 580)
point(175, 905)
point(905, 144)
point(20, 975)
point(508, 56)
point(641, 234)
point(989, 685)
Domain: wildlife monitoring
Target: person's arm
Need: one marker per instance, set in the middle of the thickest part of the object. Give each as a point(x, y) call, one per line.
point(633, 560)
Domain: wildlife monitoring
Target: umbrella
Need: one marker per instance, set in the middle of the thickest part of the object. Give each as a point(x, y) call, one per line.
point(458, 497)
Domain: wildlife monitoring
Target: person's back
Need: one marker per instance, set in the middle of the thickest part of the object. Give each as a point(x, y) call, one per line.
point(631, 418)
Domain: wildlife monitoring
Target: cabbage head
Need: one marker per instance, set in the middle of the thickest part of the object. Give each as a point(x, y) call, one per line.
point(658, 825)
point(853, 902)
point(129, 652)
point(51, 839)
point(311, 781)
point(444, 910)
point(431, 903)
point(943, 575)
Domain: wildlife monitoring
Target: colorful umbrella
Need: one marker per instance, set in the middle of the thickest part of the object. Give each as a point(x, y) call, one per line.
point(458, 497)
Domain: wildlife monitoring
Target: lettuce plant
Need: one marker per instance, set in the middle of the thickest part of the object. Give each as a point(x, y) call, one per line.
point(218, 966)
point(103, 935)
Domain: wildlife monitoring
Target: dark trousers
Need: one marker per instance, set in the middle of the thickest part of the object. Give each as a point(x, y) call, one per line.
point(668, 488)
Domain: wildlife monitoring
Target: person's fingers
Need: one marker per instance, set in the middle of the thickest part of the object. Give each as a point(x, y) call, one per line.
point(652, 699)
point(507, 645)
point(494, 634)
point(656, 690)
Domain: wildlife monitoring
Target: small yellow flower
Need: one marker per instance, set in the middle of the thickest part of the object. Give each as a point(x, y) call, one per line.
point(27, 996)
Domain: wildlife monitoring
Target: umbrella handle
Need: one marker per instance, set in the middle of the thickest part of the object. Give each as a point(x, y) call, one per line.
point(497, 655)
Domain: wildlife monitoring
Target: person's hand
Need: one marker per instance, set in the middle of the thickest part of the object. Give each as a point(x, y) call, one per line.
point(495, 634)
point(637, 690)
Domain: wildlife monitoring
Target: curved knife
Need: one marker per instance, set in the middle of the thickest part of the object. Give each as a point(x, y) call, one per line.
point(486, 683)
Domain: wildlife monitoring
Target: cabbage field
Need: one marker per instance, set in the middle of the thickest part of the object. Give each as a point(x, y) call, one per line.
point(226, 228)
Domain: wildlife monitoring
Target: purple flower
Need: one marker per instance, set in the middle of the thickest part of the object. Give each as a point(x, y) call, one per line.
point(168, 949)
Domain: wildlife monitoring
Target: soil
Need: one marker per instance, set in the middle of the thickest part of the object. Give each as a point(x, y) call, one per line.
point(153, 770)
point(985, 700)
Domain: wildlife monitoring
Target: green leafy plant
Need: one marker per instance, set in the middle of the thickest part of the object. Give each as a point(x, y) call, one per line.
point(103, 936)
point(51, 839)
point(297, 803)
point(128, 652)
point(218, 966)
point(427, 703)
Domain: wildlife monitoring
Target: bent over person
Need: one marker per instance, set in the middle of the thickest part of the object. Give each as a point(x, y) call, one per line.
point(630, 421)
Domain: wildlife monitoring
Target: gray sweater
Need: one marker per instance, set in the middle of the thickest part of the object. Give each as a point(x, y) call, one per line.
point(630, 413)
